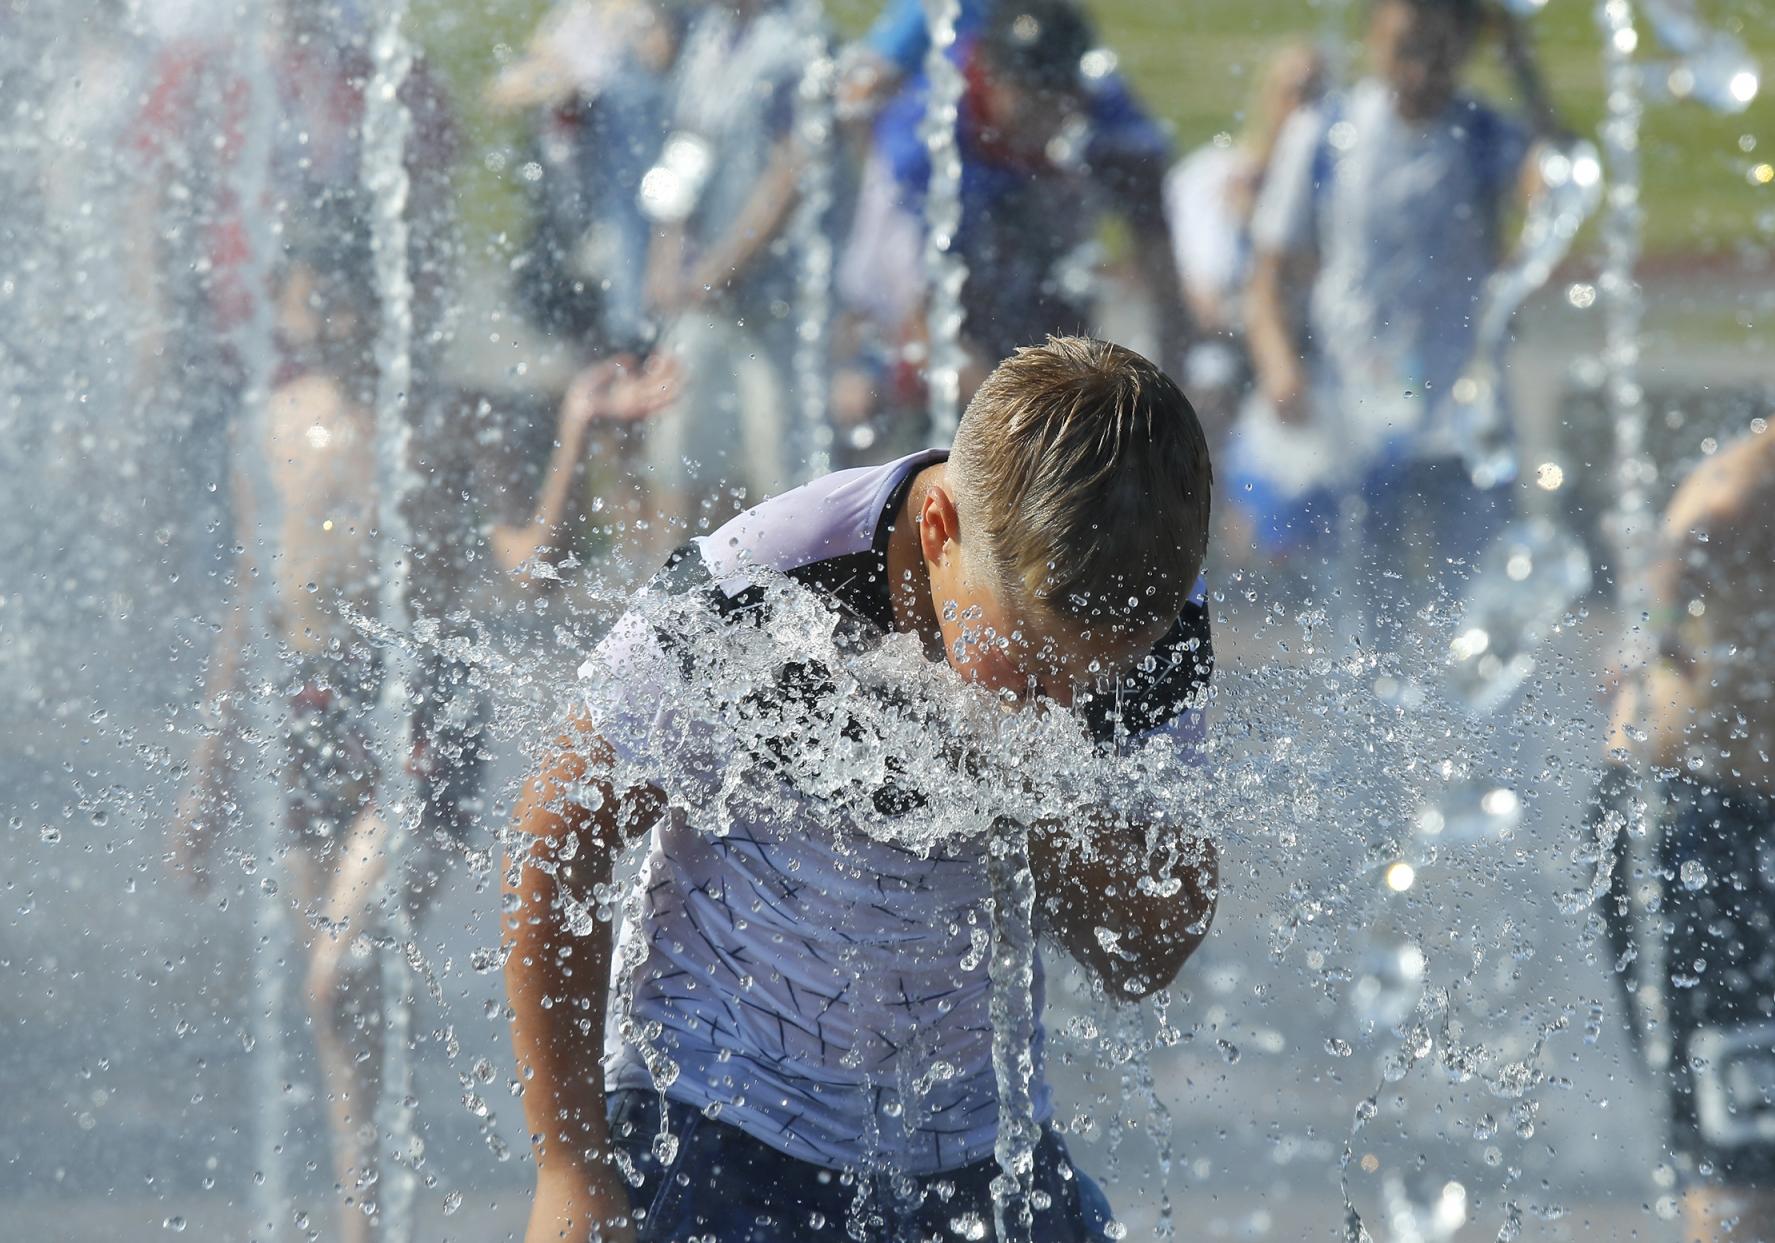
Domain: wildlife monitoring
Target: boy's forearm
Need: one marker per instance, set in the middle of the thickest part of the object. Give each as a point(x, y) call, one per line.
point(557, 983)
point(514, 546)
point(1118, 912)
point(1274, 350)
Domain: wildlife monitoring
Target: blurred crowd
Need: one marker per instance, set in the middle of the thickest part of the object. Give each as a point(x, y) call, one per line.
point(1312, 274)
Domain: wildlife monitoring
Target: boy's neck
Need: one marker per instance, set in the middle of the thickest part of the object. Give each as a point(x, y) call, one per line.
point(909, 578)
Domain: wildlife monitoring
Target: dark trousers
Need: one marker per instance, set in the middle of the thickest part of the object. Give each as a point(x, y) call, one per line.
point(723, 1186)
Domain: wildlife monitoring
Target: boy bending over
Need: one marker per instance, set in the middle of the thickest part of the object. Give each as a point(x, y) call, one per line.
point(819, 992)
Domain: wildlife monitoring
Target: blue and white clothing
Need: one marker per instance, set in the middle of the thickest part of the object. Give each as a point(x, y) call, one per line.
point(1405, 218)
point(821, 990)
point(1024, 222)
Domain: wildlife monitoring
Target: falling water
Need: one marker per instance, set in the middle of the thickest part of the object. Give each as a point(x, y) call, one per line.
point(1571, 183)
point(1013, 1026)
point(387, 127)
point(810, 236)
point(258, 599)
point(944, 266)
point(1625, 402)
point(1712, 68)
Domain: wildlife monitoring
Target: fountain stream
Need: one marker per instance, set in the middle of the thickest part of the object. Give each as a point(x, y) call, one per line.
point(945, 269)
point(253, 180)
point(387, 127)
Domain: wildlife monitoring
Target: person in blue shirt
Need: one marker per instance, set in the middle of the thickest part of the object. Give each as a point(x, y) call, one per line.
point(1051, 136)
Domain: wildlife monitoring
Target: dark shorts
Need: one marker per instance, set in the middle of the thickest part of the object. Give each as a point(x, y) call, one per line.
point(331, 767)
point(723, 1186)
point(333, 764)
point(450, 752)
point(1718, 857)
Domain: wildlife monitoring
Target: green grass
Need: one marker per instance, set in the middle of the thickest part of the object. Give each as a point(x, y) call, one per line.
point(1194, 61)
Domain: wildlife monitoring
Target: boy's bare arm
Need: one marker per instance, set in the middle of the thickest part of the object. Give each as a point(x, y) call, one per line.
point(1131, 919)
point(558, 983)
point(1275, 350)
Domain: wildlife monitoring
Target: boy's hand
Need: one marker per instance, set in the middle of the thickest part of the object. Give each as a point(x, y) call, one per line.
point(581, 1202)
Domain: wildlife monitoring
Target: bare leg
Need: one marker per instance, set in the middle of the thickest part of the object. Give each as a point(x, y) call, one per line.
point(344, 990)
point(1728, 1215)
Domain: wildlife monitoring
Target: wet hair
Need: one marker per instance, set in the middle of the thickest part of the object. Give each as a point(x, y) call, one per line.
point(1038, 43)
point(1084, 472)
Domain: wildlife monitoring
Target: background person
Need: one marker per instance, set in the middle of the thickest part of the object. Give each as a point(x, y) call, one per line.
point(1209, 197)
point(722, 272)
point(595, 89)
point(1052, 139)
point(1704, 727)
point(321, 458)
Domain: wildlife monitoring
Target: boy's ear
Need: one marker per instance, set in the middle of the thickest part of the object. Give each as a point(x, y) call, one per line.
point(938, 523)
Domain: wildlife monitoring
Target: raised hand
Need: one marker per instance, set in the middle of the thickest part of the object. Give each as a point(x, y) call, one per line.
point(618, 390)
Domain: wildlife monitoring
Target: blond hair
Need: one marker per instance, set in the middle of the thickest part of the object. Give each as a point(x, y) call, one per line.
point(1082, 478)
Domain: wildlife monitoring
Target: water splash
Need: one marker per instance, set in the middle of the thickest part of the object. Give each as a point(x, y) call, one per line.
point(1570, 174)
point(1635, 472)
point(1526, 583)
point(252, 175)
point(387, 129)
point(944, 266)
point(1711, 67)
point(1013, 1027)
point(810, 237)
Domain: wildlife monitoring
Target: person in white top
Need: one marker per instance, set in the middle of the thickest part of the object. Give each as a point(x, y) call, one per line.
point(811, 997)
point(1386, 205)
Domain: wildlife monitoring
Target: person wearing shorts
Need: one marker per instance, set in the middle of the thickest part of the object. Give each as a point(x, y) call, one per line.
point(1701, 722)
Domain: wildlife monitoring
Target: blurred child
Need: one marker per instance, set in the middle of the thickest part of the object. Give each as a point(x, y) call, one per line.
point(1704, 724)
point(1383, 212)
point(594, 84)
point(321, 459)
point(1051, 138)
point(721, 268)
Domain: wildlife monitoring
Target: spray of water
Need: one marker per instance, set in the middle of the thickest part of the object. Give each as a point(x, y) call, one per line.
point(945, 268)
point(810, 236)
point(258, 602)
point(387, 128)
